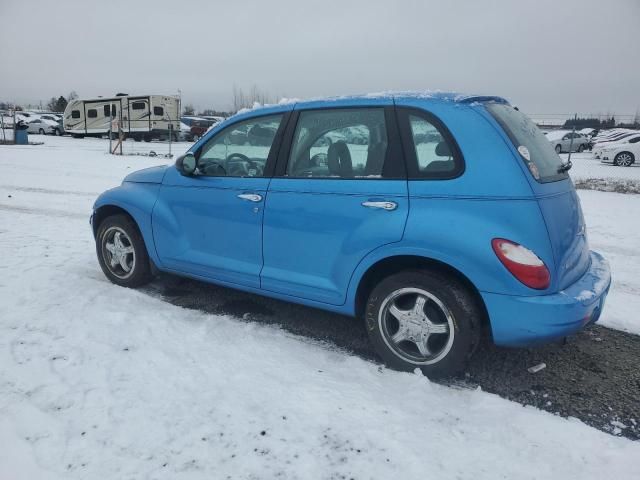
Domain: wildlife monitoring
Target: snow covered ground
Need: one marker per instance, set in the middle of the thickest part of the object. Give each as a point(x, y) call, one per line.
point(98, 381)
point(585, 166)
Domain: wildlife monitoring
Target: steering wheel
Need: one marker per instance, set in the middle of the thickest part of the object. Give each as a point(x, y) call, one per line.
point(238, 167)
point(239, 156)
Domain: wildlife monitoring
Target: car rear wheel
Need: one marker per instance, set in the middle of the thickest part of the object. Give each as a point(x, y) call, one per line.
point(41, 131)
point(581, 148)
point(558, 149)
point(423, 319)
point(121, 252)
point(624, 159)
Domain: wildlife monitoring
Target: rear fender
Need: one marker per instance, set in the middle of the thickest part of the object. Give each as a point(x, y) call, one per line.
point(458, 233)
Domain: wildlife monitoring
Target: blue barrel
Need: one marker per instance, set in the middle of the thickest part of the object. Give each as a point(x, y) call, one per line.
point(21, 136)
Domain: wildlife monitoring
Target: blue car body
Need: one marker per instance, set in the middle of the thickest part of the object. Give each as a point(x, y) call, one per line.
point(310, 241)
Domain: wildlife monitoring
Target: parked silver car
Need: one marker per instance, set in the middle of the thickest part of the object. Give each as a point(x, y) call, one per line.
point(41, 126)
point(561, 141)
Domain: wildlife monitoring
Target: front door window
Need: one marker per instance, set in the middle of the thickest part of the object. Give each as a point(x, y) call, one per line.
point(240, 150)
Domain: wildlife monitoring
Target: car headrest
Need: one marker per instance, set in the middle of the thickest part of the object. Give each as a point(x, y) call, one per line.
point(339, 159)
point(443, 150)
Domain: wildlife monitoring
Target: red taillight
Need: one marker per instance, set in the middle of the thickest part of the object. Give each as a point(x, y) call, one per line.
point(522, 263)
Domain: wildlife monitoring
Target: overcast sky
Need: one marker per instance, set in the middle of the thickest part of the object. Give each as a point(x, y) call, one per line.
point(545, 56)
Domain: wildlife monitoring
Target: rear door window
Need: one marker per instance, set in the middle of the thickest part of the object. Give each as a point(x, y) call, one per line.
point(339, 143)
point(533, 147)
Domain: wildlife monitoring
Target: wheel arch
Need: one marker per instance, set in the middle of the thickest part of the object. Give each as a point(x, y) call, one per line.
point(105, 211)
point(390, 265)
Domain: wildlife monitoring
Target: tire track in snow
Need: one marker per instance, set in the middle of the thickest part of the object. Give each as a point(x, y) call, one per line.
point(42, 211)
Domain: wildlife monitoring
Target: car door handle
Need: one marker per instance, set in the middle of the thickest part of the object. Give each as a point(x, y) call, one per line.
point(382, 205)
point(252, 197)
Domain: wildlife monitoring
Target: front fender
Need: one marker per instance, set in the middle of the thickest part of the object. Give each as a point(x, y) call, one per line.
point(138, 200)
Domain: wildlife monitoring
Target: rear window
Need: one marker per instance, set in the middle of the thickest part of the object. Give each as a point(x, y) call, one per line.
point(533, 147)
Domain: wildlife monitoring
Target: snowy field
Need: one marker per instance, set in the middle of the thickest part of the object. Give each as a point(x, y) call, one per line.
point(103, 382)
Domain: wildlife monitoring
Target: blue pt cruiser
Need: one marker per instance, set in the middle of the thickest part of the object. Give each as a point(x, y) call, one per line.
point(433, 217)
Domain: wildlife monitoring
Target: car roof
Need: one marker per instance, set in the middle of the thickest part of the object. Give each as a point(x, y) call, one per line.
point(369, 99)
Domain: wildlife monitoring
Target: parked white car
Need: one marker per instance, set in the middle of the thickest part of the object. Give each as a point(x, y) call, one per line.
point(42, 126)
point(598, 147)
point(620, 154)
point(561, 141)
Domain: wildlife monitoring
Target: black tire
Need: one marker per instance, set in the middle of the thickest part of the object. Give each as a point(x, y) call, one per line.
point(137, 138)
point(147, 138)
point(140, 269)
point(580, 148)
point(624, 159)
point(41, 131)
point(77, 135)
point(464, 315)
point(558, 149)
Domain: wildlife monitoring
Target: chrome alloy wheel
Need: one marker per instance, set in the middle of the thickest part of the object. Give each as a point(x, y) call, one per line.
point(624, 159)
point(416, 326)
point(118, 252)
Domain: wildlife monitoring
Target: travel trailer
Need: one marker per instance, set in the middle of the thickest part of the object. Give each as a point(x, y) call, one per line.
point(141, 117)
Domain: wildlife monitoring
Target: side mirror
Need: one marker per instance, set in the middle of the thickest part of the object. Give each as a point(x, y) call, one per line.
point(186, 164)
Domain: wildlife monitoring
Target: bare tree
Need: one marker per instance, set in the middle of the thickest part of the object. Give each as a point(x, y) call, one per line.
point(188, 110)
point(247, 100)
point(52, 104)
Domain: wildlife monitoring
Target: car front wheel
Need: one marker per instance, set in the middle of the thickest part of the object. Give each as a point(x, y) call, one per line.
point(624, 159)
point(121, 252)
point(423, 319)
point(558, 149)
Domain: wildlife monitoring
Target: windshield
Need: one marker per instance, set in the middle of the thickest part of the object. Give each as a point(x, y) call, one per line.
point(533, 147)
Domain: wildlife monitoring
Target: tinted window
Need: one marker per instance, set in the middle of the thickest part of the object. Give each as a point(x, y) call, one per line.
point(75, 113)
point(138, 105)
point(340, 143)
point(92, 113)
point(240, 150)
point(158, 111)
point(635, 140)
point(533, 147)
point(107, 111)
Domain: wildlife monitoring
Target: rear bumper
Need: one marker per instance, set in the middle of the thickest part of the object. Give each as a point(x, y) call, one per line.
point(520, 321)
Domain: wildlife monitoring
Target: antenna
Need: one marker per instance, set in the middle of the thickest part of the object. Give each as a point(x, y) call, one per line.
point(573, 132)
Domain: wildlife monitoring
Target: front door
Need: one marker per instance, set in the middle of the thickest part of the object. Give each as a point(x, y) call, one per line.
point(210, 224)
point(339, 193)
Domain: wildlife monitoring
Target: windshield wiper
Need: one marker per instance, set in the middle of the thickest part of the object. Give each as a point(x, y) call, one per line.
point(565, 167)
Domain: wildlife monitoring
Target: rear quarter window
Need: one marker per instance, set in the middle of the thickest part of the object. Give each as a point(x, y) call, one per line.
point(533, 147)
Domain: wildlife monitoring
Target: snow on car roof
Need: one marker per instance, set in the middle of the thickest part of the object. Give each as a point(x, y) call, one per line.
point(557, 134)
point(376, 97)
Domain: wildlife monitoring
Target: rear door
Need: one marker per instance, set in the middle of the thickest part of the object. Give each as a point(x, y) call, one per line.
point(339, 193)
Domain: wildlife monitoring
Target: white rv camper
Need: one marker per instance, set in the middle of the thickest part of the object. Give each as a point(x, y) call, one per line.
point(141, 117)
